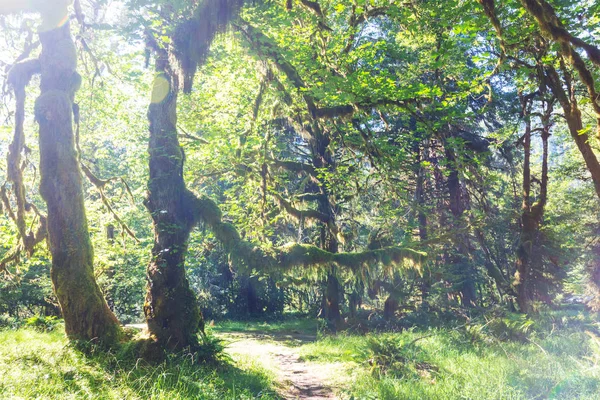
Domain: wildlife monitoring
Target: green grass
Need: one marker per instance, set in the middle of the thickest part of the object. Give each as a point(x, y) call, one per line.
point(466, 364)
point(35, 365)
point(555, 356)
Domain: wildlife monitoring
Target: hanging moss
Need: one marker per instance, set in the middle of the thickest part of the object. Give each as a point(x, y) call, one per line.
point(296, 255)
point(192, 38)
point(300, 215)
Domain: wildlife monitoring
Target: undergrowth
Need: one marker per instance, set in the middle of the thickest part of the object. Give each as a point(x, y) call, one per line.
point(495, 356)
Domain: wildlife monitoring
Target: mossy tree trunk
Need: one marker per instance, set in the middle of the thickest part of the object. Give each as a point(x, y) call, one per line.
point(171, 308)
point(529, 258)
point(333, 299)
point(84, 309)
point(322, 158)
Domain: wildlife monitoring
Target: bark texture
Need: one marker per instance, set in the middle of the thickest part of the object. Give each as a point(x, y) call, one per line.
point(529, 274)
point(86, 314)
point(171, 309)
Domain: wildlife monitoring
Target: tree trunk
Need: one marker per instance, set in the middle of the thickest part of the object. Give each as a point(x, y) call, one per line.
point(355, 302)
point(332, 300)
point(528, 224)
point(252, 299)
point(529, 258)
point(390, 307)
point(171, 308)
point(322, 158)
point(422, 155)
point(84, 309)
point(459, 257)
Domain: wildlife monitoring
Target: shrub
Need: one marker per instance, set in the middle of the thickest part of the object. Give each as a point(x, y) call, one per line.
point(41, 323)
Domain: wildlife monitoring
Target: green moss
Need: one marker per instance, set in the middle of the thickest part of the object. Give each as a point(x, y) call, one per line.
point(302, 255)
point(209, 211)
point(54, 105)
point(193, 37)
point(227, 234)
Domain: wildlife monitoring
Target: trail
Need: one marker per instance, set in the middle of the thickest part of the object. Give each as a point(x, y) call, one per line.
point(278, 352)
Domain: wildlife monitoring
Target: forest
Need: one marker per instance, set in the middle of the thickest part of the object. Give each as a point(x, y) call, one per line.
point(298, 199)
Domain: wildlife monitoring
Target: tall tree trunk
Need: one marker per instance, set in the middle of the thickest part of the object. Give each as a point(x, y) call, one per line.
point(252, 298)
point(422, 155)
point(528, 224)
point(171, 308)
point(529, 262)
point(322, 158)
point(460, 254)
point(86, 314)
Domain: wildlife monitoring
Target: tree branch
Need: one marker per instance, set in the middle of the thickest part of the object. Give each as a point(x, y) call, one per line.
point(300, 214)
point(287, 257)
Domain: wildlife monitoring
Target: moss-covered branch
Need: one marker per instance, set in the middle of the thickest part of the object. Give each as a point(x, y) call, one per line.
point(268, 49)
point(293, 255)
point(294, 166)
point(309, 197)
point(19, 77)
point(549, 23)
point(307, 215)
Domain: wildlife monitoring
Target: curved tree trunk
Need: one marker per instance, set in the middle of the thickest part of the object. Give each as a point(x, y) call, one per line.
point(86, 314)
point(171, 308)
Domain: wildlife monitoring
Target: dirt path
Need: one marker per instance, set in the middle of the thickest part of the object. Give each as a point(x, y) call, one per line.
point(278, 353)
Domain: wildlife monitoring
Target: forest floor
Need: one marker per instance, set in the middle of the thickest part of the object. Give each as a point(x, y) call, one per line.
point(555, 355)
point(278, 352)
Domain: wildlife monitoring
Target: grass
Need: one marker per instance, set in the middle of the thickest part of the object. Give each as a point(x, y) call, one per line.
point(555, 356)
point(35, 365)
point(467, 363)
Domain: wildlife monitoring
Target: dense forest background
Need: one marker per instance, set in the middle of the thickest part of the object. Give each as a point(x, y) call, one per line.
point(377, 164)
point(382, 124)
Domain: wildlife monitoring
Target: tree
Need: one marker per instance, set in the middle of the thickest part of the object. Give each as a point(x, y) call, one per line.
point(86, 314)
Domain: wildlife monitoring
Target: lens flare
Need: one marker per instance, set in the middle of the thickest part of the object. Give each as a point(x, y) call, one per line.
point(160, 89)
point(53, 19)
